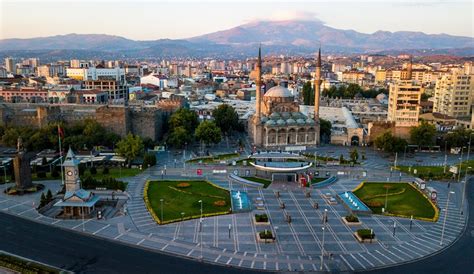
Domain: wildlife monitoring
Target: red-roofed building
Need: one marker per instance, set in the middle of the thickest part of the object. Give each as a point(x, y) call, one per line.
point(31, 95)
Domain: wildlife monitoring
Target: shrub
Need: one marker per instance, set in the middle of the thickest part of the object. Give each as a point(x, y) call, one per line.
point(352, 218)
point(149, 160)
point(183, 185)
point(82, 169)
point(49, 196)
point(93, 170)
point(219, 203)
point(374, 204)
point(105, 170)
point(266, 234)
point(55, 173)
point(41, 174)
point(261, 218)
point(366, 233)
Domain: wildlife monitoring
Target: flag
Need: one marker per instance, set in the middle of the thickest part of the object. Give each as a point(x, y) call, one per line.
point(60, 132)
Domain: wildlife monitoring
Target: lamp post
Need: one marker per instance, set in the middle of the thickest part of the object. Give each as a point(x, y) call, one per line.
point(460, 164)
point(445, 156)
point(445, 216)
point(161, 201)
point(322, 250)
point(464, 190)
point(411, 221)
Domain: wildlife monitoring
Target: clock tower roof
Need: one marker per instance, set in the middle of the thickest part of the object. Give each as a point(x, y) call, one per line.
point(71, 159)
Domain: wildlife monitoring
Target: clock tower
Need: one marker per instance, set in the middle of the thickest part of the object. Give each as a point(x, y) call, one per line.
point(71, 168)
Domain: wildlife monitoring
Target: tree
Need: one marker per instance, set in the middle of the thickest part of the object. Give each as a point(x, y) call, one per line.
point(226, 118)
point(423, 134)
point(93, 170)
point(42, 200)
point(354, 155)
point(49, 196)
point(130, 147)
point(389, 143)
point(149, 160)
point(44, 161)
point(308, 94)
point(324, 130)
point(341, 159)
point(186, 118)
point(458, 137)
point(208, 132)
point(178, 137)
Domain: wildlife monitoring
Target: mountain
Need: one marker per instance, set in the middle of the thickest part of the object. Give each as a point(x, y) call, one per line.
point(310, 33)
point(72, 42)
point(295, 37)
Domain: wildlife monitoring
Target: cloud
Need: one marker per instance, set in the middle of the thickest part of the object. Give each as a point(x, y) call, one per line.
point(287, 15)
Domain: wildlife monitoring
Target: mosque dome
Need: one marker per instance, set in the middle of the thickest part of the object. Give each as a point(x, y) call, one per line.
point(281, 122)
point(264, 119)
point(278, 91)
point(270, 123)
point(300, 121)
point(290, 121)
point(285, 115)
point(309, 121)
point(274, 115)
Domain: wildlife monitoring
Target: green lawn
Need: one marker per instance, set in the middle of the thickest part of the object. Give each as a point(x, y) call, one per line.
point(185, 199)
point(19, 265)
point(436, 172)
point(403, 200)
point(265, 182)
point(114, 172)
point(316, 180)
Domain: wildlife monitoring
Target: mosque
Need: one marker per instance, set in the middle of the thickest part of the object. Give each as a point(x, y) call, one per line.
point(278, 121)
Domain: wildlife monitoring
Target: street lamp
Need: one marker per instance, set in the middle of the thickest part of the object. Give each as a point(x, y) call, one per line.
point(464, 190)
point(161, 201)
point(322, 250)
point(182, 216)
point(445, 216)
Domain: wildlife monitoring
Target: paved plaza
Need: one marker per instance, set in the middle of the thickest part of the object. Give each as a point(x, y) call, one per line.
point(230, 239)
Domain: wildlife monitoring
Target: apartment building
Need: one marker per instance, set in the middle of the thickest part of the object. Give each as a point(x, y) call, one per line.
point(404, 103)
point(454, 95)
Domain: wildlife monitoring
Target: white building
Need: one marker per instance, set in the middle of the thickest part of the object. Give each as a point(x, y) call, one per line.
point(93, 73)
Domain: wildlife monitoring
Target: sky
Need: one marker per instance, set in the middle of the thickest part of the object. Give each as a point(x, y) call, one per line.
point(156, 19)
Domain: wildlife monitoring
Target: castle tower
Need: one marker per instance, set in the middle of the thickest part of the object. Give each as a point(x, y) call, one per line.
point(71, 169)
point(317, 86)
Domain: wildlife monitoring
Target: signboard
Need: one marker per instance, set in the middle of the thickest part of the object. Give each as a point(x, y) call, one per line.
point(303, 181)
point(236, 172)
point(453, 169)
point(422, 186)
point(247, 172)
point(199, 171)
point(434, 195)
point(217, 171)
point(295, 148)
point(364, 174)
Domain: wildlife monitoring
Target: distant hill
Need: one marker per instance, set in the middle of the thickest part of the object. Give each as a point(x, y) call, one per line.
point(278, 37)
point(310, 33)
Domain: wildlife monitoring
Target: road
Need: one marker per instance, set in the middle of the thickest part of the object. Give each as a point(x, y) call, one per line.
point(82, 254)
point(459, 258)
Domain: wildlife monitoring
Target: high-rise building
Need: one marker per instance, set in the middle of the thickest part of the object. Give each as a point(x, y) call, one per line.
point(454, 95)
point(10, 65)
point(404, 103)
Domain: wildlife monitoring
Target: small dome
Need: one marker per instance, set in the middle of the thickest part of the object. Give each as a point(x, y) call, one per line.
point(285, 115)
point(309, 121)
point(281, 122)
point(264, 119)
point(290, 121)
point(270, 123)
point(296, 115)
point(300, 121)
point(274, 115)
point(278, 91)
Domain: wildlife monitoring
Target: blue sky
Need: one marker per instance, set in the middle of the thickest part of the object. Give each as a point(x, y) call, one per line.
point(150, 19)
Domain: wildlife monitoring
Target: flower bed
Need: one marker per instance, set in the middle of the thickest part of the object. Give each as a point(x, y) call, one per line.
point(351, 220)
point(265, 236)
point(261, 219)
point(365, 235)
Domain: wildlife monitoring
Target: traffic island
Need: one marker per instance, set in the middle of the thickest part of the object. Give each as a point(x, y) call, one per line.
point(261, 219)
point(265, 236)
point(351, 220)
point(365, 236)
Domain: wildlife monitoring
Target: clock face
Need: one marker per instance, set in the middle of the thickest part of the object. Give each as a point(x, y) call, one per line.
point(69, 173)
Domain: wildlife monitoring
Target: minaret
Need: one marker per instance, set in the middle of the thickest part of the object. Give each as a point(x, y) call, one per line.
point(317, 86)
point(258, 92)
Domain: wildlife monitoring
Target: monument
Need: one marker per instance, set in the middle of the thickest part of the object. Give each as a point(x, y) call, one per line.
point(21, 168)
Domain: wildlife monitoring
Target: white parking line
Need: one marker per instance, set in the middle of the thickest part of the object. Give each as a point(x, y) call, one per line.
point(25, 211)
point(164, 247)
point(141, 241)
point(83, 223)
point(228, 261)
point(385, 256)
point(218, 257)
point(55, 222)
point(357, 261)
point(347, 263)
point(380, 261)
point(100, 229)
point(120, 235)
point(363, 258)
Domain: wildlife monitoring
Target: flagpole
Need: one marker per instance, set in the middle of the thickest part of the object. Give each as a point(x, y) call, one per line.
point(61, 155)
